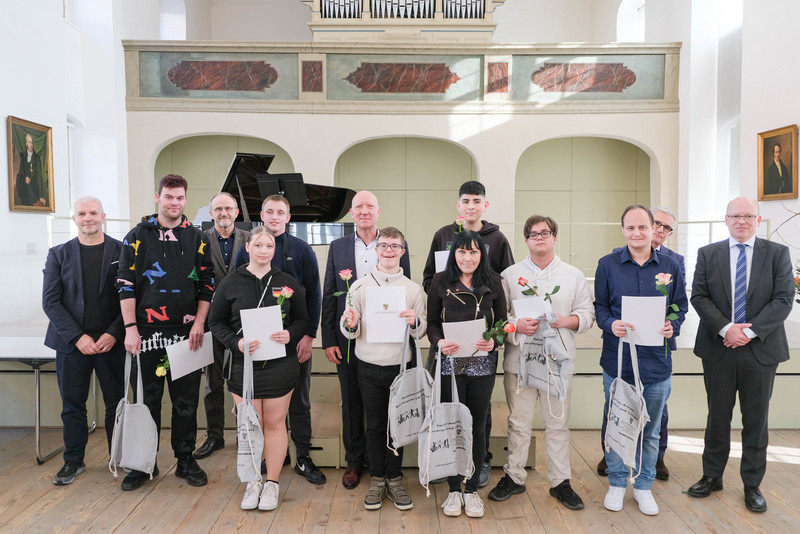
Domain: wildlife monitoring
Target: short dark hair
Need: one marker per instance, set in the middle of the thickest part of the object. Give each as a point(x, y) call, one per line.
point(276, 198)
point(173, 181)
point(777, 145)
point(467, 239)
point(472, 188)
point(536, 219)
point(392, 233)
point(636, 207)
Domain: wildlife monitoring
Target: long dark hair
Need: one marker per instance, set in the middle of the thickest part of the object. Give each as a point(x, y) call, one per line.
point(467, 239)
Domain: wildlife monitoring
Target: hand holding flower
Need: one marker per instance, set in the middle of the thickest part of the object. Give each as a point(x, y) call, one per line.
point(350, 318)
point(527, 326)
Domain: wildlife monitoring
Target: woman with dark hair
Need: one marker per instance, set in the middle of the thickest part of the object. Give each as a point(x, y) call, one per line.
point(255, 285)
point(466, 290)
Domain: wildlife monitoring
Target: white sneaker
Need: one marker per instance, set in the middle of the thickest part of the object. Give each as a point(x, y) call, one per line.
point(647, 504)
point(452, 505)
point(251, 495)
point(473, 505)
point(614, 498)
point(269, 496)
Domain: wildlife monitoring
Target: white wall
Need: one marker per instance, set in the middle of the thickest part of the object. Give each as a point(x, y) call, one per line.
point(259, 20)
point(549, 21)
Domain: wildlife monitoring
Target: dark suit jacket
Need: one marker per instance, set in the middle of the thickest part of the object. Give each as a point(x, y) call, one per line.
point(220, 271)
point(778, 182)
point(675, 256)
point(769, 300)
point(62, 294)
point(342, 255)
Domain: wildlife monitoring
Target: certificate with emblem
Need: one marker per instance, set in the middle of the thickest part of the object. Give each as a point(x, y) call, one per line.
point(381, 313)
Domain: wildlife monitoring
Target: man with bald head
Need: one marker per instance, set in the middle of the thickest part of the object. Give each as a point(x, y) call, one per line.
point(742, 291)
point(85, 330)
point(355, 252)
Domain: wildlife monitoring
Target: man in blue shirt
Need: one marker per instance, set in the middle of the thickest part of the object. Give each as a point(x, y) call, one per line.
point(631, 271)
point(296, 257)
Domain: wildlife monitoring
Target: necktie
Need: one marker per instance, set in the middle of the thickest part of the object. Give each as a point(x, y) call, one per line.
point(740, 289)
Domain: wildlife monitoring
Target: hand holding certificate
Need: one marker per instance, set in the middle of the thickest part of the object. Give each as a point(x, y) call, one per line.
point(258, 324)
point(646, 314)
point(183, 360)
point(466, 334)
point(382, 313)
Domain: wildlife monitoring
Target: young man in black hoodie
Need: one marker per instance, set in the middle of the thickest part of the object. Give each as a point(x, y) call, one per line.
point(165, 284)
point(471, 206)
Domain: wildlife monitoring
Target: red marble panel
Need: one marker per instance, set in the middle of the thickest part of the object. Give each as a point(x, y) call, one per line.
point(312, 76)
point(498, 78)
point(402, 77)
point(584, 77)
point(223, 75)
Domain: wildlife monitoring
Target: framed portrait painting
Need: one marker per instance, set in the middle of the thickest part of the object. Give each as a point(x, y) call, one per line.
point(30, 166)
point(777, 164)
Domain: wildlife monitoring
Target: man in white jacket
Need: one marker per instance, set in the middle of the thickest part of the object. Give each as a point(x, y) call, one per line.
point(379, 364)
point(567, 290)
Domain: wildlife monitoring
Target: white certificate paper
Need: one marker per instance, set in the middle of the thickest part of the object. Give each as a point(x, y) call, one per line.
point(183, 360)
point(440, 259)
point(531, 307)
point(466, 334)
point(382, 313)
point(260, 323)
point(646, 314)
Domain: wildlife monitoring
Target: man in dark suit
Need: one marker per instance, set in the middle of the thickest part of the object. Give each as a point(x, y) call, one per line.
point(356, 253)
point(742, 290)
point(30, 186)
point(664, 225)
point(85, 328)
point(779, 179)
point(224, 240)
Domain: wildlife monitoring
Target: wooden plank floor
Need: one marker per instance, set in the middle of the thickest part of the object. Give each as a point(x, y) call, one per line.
point(29, 502)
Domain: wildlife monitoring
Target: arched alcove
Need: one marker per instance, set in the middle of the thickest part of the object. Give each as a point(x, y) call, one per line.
point(416, 181)
point(584, 183)
point(204, 161)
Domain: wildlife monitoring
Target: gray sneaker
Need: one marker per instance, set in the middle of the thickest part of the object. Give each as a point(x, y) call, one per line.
point(67, 474)
point(375, 494)
point(486, 471)
point(398, 494)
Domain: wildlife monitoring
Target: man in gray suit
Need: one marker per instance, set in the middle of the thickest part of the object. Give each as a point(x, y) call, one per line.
point(742, 290)
point(225, 239)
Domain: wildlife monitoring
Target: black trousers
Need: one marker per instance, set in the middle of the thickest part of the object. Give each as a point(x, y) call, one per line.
point(738, 371)
point(300, 411)
point(375, 381)
point(214, 398)
point(74, 373)
point(352, 408)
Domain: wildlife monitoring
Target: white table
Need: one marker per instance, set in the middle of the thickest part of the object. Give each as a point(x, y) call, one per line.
point(31, 351)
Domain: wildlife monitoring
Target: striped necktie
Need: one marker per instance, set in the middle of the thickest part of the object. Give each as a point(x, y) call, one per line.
point(740, 289)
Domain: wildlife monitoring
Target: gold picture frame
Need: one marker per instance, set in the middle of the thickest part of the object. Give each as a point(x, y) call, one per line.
point(30, 166)
point(777, 164)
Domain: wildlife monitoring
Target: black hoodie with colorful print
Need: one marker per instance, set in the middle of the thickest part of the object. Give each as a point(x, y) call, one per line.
point(167, 270)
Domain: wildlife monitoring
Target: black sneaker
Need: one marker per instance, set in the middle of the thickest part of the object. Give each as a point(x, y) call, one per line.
point(67, 474)
point(567, 496)
point(305, 466)
point(135, 479)
point(505, 489)
point(189, 469)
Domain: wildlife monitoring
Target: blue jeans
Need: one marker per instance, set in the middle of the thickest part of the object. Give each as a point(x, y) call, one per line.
point(655, 397)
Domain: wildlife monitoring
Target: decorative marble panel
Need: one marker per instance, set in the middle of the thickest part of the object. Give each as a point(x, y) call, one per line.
point(383, 77)
point(561, 77)
point(312, 76)
point(218, 75)
point(498, 78)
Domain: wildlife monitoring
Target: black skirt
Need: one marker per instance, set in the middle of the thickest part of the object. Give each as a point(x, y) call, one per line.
point(271, 378)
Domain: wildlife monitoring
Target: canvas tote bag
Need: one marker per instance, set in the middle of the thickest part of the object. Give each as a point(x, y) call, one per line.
point(627, 412)
point(445, 439)
point(134, 442)
point(544, 362)
point(250, 435)
point(409, 397)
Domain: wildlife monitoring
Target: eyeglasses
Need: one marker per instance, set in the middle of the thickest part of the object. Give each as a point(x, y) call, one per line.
point(747, 218)
point(544, 234)
point(667, 228)
point(394, 246)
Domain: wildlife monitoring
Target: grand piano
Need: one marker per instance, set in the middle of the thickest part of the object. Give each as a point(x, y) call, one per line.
point(316, 209)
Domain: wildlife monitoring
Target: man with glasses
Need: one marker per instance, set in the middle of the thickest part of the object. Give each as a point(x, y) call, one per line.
point(663, 226)
point(572, 303)
point(742, 291)
point(224, 240)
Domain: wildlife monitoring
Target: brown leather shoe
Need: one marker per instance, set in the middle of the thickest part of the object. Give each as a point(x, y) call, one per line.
point(352, 476)
point(662, 473)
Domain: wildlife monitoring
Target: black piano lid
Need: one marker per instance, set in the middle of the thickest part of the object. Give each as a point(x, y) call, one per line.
point(250, 182)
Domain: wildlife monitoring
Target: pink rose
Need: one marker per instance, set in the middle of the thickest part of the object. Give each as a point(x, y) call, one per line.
point(509, 328)
point(522, 281)
point(287, 292)
point(663, 279)
point(345, 274)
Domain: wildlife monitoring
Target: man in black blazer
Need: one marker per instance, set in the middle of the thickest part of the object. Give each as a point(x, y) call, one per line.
point(778, 180)
point(355, 252)
point(741, 343)
point(224, 241)
point(85, 328)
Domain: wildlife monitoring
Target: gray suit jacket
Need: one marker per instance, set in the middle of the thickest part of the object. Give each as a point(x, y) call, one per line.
point(769, 300)
point(220, 271)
